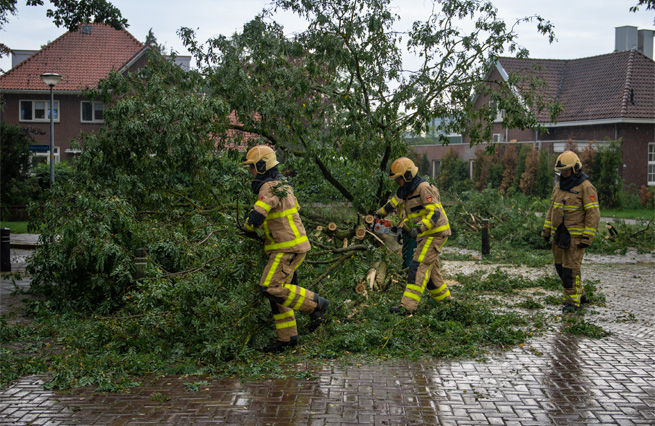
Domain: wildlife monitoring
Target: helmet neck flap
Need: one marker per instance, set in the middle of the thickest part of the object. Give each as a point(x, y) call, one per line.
point(271, 174)
point(566, 184)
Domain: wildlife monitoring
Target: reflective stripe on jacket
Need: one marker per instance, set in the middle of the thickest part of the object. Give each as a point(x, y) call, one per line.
point(423, 208)
point(282, 225)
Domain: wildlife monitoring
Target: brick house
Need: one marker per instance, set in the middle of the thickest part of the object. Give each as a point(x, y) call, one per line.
point(604, 97)
point(82, 58)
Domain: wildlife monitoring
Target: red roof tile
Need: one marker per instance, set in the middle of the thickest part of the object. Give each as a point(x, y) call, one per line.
point(595, 88)
point(83, 58)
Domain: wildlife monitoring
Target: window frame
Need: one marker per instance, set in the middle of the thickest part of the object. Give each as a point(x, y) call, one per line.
point(436, 167)
point(650, 170)
point(47, 110)
point(93, 112)
point(500, 113)
point(498, 137)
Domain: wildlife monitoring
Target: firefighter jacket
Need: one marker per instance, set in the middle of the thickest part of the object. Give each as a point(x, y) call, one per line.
point(422, 206)
point(276, 212)
point(576, 204)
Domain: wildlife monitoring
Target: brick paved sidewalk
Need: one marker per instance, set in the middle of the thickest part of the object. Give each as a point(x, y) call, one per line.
point(556, 379)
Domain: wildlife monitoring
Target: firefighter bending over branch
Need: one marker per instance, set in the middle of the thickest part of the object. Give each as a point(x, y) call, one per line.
point(276, 212)
point(426, 221)
point(572, 219)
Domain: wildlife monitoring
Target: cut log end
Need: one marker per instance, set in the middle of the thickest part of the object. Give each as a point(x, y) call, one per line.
point(360, 233)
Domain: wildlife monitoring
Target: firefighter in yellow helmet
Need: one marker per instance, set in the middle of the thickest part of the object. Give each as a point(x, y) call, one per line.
point(572, 220)
point(427, 222)
point(276, 212)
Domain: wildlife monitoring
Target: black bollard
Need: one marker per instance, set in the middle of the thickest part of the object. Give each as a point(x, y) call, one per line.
point(5, 250)
point(486, 249)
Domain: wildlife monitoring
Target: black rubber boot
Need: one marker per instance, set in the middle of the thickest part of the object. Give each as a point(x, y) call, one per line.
point(278, 346)
point(317, 316)
point(400, 310)
point(569, 308)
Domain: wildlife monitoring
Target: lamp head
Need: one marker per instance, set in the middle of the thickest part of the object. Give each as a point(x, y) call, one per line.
point(51, 78)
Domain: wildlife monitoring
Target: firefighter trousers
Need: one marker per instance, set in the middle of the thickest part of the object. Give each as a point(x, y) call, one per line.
point(284, 296)
point(567, 264)
point(424, 273)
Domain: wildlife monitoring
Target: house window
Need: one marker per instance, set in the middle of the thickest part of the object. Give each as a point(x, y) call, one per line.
point(651, 164)
point(500, 114)
point(436, 164)
point(92, 112)
point(35, 110)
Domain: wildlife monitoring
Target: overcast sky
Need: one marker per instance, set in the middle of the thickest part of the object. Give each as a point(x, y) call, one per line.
point(583, 27)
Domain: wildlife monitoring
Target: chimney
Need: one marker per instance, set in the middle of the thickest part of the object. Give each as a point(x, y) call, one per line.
point(629, 38)
point(645, 42)
point(625, 38)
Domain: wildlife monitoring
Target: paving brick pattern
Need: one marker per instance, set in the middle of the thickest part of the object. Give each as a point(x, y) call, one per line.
point(555, 379)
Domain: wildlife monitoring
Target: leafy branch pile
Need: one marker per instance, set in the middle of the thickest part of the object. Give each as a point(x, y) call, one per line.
point(201, 326)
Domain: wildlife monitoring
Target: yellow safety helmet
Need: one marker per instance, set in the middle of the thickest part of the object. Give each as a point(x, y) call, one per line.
point(568, 160)
point(262, 157)
point(403, 167)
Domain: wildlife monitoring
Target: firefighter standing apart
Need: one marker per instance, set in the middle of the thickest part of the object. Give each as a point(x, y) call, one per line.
point(572, 220)
point(276, 212)
point(426, 221)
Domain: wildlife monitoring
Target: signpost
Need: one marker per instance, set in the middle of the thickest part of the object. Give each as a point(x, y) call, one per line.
point(39, 148)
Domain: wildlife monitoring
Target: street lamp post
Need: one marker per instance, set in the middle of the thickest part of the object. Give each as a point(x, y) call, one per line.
point(51, 79)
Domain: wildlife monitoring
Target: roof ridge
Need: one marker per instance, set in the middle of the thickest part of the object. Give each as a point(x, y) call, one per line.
point(628, 82)
point(568, 60)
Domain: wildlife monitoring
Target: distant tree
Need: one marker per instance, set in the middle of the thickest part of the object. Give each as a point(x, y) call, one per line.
point(607, 180)
point(151, 41)
point(528, 178)
point(650, 5)
point(480, 171)
point(16, 185)
point(494, 164)
point(453, 174)
point(544, 177)
point(510, 160)
point(587, 159)
point(520, 167)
